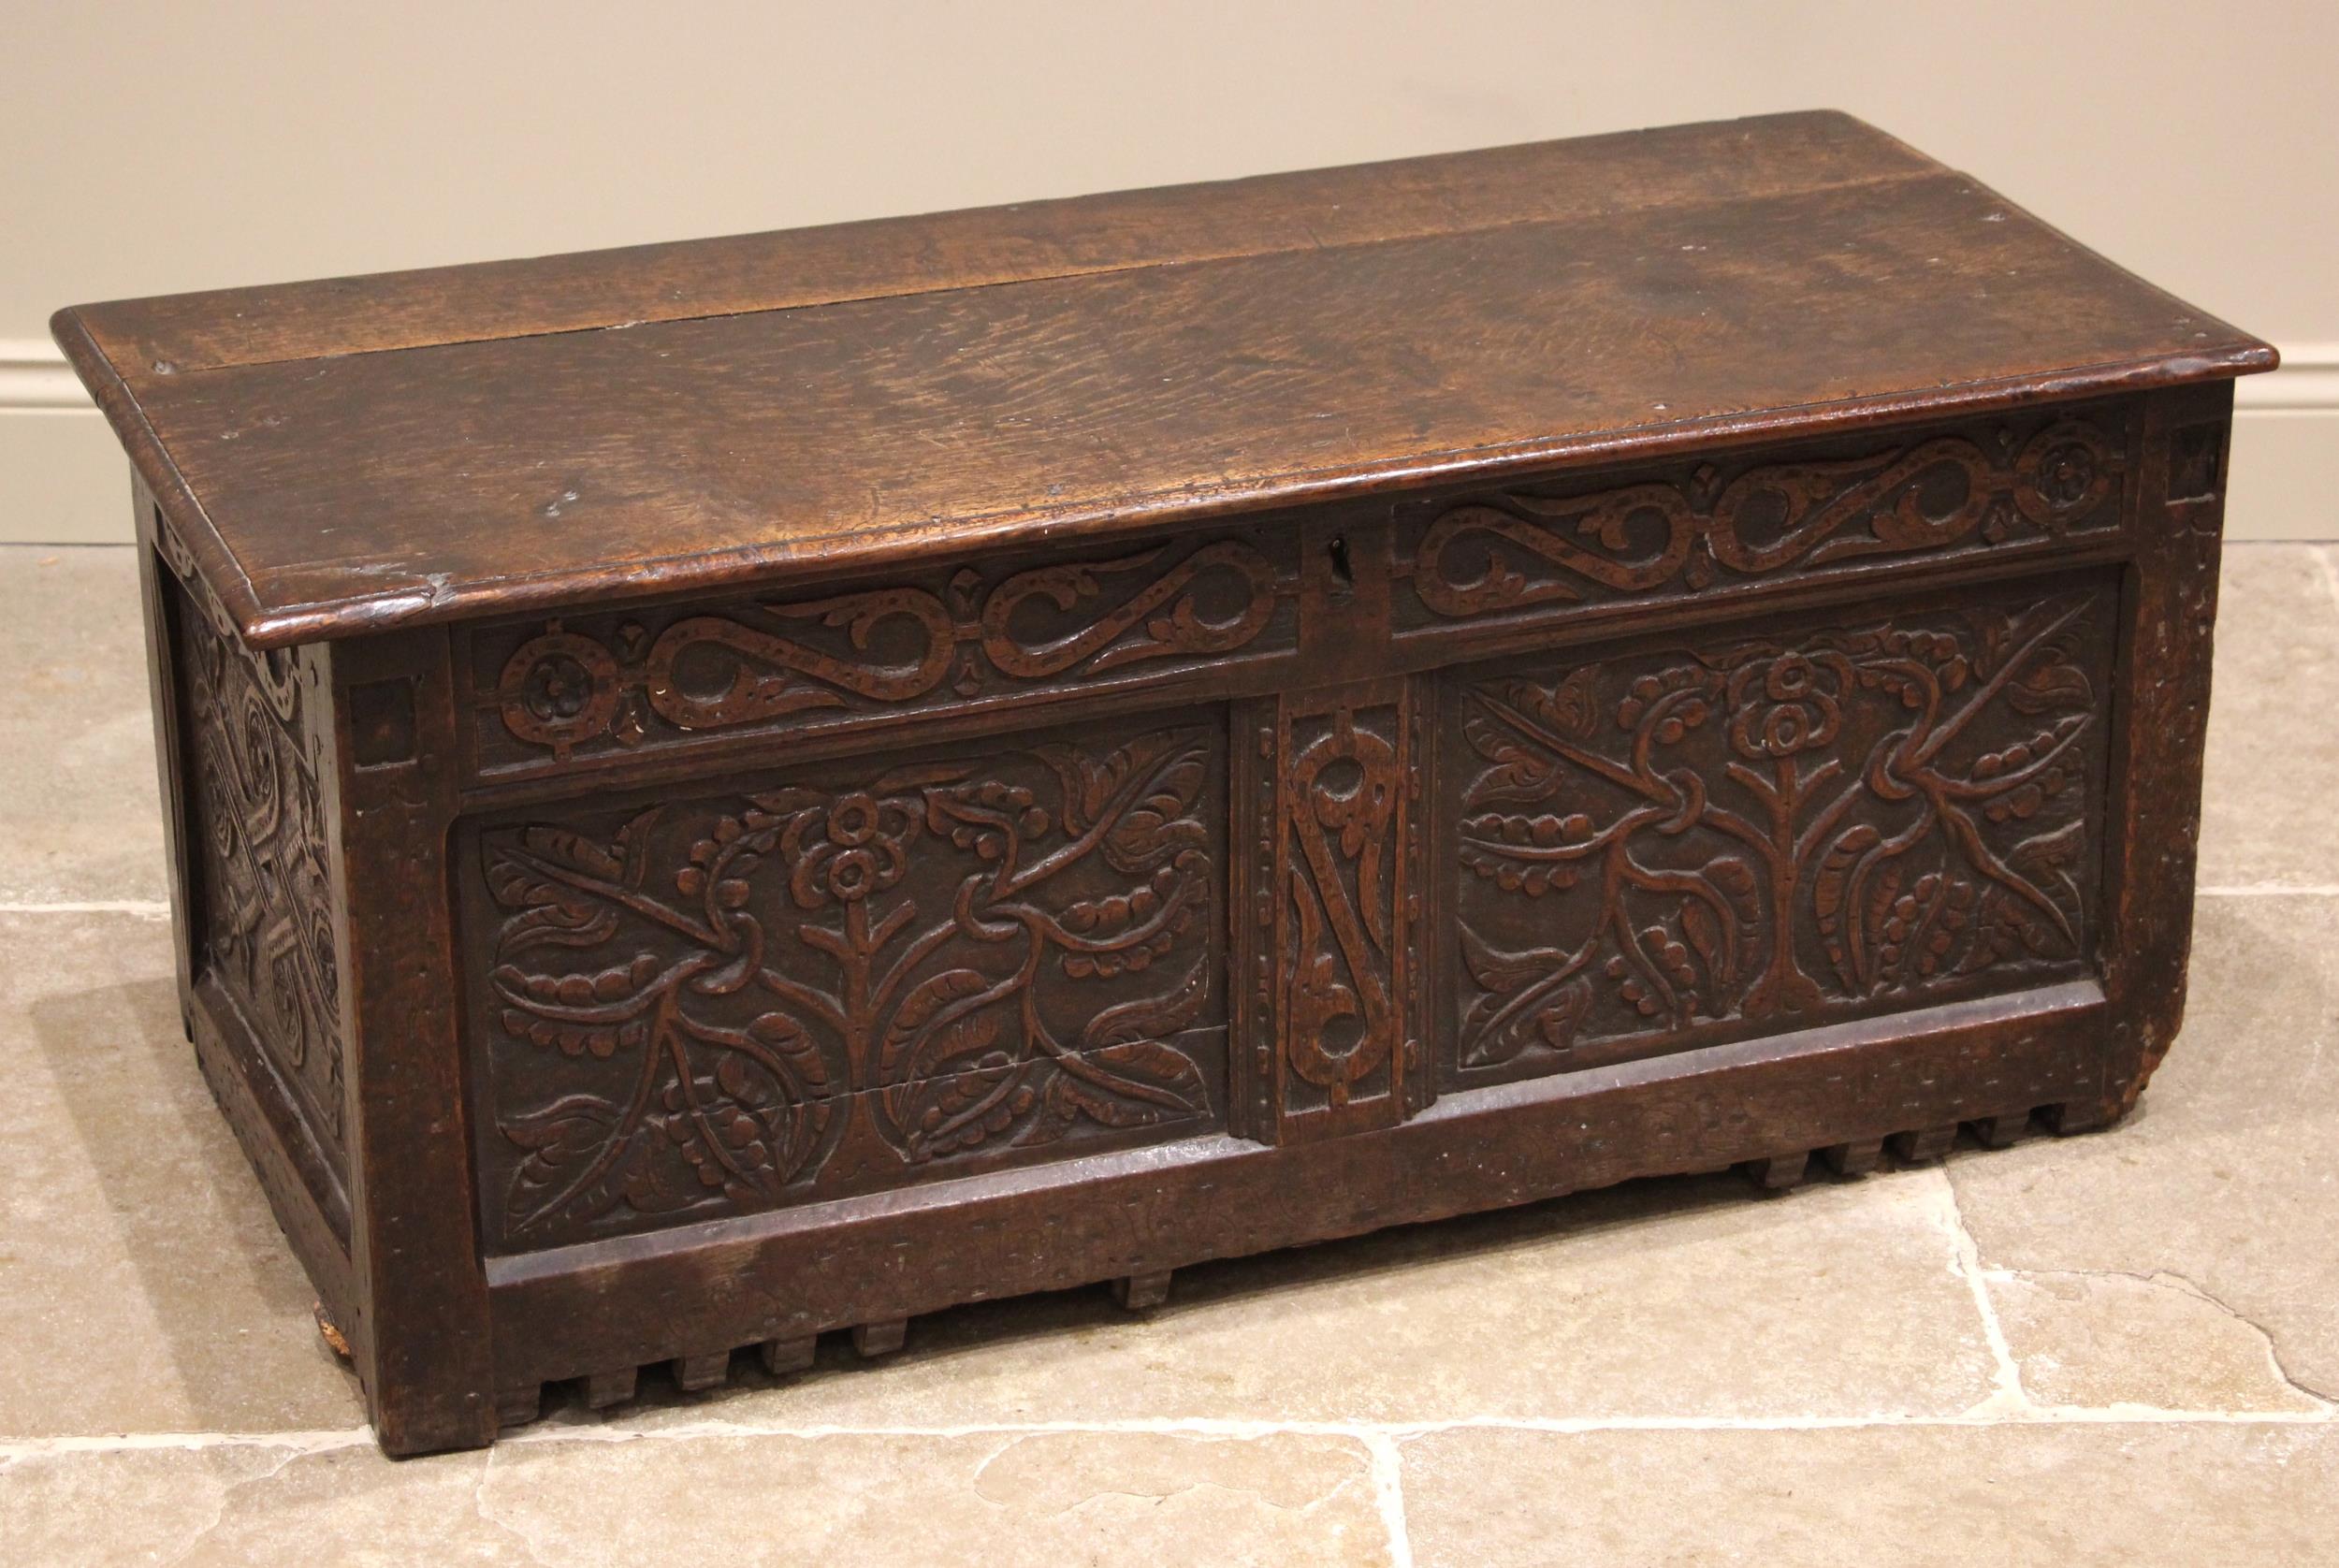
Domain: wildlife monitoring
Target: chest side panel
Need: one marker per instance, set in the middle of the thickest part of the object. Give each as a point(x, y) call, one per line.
point(260, 869)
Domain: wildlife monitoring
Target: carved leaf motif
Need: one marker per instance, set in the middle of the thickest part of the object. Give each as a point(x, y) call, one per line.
point(1134, 1084)
point(1150, 1017)
point(1161, 823)
point(793, 1044)
point(2050, 682)
point(556, 915)
point(964, 1112)
point(561, 1139)
point(2012, 921)
point(1559, 1019)
point(1530, 996)
point(1570, 708)
point(1506, 972)
point(734, 1129)
point(921, 1009)
point(1521, 774)
point(1704, 934)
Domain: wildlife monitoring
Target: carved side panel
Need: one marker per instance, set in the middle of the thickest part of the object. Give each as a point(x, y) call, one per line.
point(1753, 831)
point(604, 686)
point(1704, 526)
point(848, 977)
point(256, 836)
point(1336, 902)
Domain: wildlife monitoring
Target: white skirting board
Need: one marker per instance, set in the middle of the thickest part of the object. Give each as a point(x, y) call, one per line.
point(64, 481)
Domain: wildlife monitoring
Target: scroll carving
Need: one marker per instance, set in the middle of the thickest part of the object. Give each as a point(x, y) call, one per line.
point(1339, 1004)
point(1526, 551)
point(896, 647)
point(1767, 832)
point(1347, 919)
point(1102, 644)
point(847, 979)
point(264, 895)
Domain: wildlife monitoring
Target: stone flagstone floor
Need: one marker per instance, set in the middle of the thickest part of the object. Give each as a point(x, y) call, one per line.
point(2118, 1348)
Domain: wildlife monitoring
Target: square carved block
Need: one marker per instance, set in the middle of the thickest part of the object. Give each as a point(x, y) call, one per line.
point(735, 791)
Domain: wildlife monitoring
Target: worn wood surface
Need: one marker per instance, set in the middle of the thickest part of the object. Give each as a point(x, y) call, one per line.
point(1710, 670)
point(508, 451)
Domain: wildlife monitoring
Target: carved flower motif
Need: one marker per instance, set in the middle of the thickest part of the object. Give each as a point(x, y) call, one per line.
point(1784, 704)
point(2067, 474)
point(2065, 470)
point(558, 688)
point(857, 847)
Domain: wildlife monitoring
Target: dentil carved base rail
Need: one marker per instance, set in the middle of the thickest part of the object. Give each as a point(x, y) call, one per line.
point(726, 792)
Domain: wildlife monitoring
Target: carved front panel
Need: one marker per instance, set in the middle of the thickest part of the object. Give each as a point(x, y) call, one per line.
point(256, 831)
point(847, 977)
point(1336, 902)
point(1753, 831)
point(608, 686)
point(1706, 526)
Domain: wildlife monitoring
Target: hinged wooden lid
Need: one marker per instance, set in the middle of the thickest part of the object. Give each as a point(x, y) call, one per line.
point(422, 447)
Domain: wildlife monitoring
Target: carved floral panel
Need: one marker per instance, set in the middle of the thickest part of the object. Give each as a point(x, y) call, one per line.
point(1750, 833)
point(1530, 554)
point(606, 685)
point(848, 976)
point(262, 873)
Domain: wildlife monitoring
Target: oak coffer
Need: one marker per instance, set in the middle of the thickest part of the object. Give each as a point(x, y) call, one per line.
point(726, 790)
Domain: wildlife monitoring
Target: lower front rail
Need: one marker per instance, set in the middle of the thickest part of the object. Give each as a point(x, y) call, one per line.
point(1839, 1096)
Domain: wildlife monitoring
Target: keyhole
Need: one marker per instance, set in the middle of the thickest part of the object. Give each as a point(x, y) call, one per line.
point(1338, 550)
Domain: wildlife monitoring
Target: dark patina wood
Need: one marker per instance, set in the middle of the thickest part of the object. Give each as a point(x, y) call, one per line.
point(730, 790)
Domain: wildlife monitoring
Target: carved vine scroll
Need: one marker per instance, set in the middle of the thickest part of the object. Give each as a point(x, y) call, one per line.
point(1838, 818)
point(1521, 551)
point(569, 687)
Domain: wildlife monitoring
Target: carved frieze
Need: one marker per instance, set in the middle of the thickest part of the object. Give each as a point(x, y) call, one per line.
point(1707, 524)
point(611, 683)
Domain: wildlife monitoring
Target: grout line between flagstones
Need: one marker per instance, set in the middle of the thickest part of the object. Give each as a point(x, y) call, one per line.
point(2328, 568)
point(1389, 1492)
point(2008, 1398)
point(1366, 1432)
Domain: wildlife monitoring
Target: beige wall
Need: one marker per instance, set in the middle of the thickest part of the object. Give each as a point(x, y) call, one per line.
point(165, 147)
